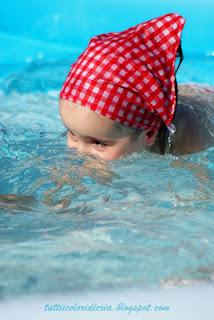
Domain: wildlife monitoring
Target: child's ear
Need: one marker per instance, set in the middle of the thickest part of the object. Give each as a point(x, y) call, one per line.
point(150, 137)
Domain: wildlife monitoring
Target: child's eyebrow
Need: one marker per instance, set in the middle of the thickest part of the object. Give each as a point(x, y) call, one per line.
point(100, 140)
point(97, 139)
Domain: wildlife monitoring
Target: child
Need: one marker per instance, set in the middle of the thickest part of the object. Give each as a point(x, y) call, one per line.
point(120, 96)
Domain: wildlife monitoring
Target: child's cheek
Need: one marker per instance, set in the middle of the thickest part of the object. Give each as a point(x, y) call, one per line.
point(113, 153)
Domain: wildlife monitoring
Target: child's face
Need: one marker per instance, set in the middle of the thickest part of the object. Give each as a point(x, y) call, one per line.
point(91, 133)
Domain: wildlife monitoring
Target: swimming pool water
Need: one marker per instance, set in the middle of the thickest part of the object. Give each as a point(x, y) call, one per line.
point(75, 223)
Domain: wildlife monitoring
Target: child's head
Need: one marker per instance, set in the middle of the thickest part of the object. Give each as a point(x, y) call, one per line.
point(92, 133)
point(121, 89)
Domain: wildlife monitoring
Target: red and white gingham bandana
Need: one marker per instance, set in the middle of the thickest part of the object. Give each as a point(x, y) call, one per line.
point(129, 76)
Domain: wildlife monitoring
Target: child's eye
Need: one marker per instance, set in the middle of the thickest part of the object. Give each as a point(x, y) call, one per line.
point(98, 143)
point(71, 133)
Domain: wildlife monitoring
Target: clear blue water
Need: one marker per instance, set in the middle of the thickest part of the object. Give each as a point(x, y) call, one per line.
point(75, 223)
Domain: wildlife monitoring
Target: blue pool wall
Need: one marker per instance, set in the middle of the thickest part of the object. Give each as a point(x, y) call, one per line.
point(55, 29)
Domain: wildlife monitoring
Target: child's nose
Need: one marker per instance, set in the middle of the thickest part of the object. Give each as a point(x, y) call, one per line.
point(82, 148)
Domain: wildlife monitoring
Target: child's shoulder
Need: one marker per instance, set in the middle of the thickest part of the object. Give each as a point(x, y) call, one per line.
point(194, 119)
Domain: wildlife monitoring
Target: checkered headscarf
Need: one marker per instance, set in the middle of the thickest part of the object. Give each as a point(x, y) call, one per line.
point(129, 76)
